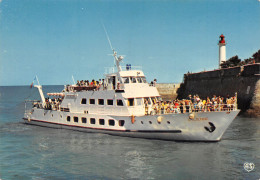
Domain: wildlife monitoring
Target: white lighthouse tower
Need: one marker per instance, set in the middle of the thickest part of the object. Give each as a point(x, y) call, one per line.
point(222, 50)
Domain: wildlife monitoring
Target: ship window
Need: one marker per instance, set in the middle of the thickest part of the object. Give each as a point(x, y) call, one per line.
point(126, 80)
point(68, 118)
point(101, 101)
point(121, 122)
point(110, 102)
point(120, 102)
point(133, 79)
point(144, 79)
point(147, 99)
point(111, 122)
point(92, 121)
point(131, 102)
point(84, 120)
point(110, 80)
point(91, 101)
point(139, 80)
point(83, 101)
point(101, 121)
point(76, 119)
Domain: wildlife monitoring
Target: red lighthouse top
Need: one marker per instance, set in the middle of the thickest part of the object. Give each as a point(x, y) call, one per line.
point(222, 39)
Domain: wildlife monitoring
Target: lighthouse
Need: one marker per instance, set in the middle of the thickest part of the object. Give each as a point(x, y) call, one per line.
point(222, 50)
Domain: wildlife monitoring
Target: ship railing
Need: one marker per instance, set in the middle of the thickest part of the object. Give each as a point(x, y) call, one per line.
point(191, 108)
point(30, 104)
point(109, 70)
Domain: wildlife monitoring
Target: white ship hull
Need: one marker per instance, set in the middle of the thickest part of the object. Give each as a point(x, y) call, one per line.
point(205, 126)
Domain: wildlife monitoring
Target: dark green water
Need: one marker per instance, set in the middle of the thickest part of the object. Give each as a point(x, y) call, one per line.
point(32, 152)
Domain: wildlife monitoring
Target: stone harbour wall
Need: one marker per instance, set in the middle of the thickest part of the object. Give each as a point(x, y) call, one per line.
point(254, 110)
point(168, 91)
point(242, 80)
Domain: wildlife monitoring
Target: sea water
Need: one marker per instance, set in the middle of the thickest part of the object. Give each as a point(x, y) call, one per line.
point(39, 153)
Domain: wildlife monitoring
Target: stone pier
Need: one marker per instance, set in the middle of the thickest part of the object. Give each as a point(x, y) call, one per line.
point(168, 91)
point(254, 110)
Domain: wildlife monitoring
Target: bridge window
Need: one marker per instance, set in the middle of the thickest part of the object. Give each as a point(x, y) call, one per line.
point(131, 102)
point(84, 120)
point(91, 101)
point(110, 102)
point(121, 122)
point(101, 121)
point(76, 119)
point(68, 118)
point(101, 101)
point(139, 80)
point(111, 122)
point(147, 100)
point(133, 79)
point(92, 121)
point(144, 79)
point(126, 80)
point(119, 102)
point(83, 101)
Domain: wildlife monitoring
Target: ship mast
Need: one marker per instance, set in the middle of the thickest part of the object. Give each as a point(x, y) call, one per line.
point(39, 87)
point(117, 59)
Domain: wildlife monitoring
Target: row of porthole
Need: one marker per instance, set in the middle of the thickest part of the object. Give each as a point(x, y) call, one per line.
point(111, 122)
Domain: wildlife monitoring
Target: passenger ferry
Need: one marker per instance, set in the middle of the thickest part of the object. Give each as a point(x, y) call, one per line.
point(122, 105)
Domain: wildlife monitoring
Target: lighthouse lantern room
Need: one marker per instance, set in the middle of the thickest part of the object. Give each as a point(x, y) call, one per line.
point(222, 50)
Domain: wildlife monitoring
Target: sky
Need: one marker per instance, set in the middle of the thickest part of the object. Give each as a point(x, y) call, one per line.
point(55, 39)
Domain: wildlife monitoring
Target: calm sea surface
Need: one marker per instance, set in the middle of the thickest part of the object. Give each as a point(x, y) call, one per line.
point(32, 152)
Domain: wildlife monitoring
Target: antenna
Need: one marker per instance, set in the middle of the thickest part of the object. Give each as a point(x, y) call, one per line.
point(107, 37)
point(117, 59)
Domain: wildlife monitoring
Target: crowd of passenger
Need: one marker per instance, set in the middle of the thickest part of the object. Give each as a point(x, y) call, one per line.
point(155, 106)
point(96, 85)
point(85, 85)
point(90, 83)
point(52, 104)
point(191, 104)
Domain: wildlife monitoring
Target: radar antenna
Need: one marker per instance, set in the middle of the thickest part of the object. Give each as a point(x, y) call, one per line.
point(117, 59)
